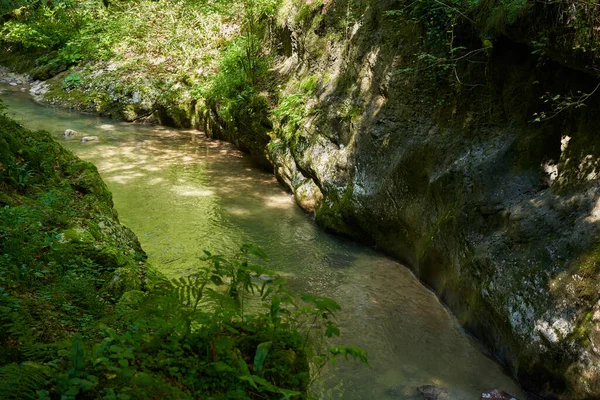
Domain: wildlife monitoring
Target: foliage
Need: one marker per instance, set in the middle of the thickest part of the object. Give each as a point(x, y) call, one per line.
point(559, 104)
point(72, 80)
point(234, 89)
point(193, 338)
point(239, 91)
point(41, 24)
point(294, 107)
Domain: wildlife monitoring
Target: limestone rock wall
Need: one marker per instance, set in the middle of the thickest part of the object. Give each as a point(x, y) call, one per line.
point(497, 213)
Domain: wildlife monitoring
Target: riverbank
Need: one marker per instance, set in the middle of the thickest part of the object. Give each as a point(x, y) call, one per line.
point(66, 260)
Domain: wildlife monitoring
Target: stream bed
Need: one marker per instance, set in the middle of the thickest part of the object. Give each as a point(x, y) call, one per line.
point(182, 193)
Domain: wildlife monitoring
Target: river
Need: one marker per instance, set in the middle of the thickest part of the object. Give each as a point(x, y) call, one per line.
point(182, 193)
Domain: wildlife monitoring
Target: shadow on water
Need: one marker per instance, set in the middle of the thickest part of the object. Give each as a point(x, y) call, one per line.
point(182, 193)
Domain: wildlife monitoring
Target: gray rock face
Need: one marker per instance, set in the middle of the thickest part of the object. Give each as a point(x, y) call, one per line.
point(38, 88)
point(500, 216)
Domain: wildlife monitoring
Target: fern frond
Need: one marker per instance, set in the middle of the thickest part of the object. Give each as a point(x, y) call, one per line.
point(24, 380)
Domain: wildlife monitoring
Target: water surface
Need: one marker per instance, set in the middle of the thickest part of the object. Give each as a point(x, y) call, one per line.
point(182, 193)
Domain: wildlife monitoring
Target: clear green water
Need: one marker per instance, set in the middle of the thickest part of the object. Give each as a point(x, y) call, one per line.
point(182, 193)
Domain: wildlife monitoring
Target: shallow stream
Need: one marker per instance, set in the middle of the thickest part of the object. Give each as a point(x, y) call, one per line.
point(182, 193)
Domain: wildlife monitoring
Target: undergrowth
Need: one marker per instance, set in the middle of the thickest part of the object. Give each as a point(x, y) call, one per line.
point(294, 106)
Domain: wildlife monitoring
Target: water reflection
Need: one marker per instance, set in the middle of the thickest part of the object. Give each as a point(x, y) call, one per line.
point(182, 193)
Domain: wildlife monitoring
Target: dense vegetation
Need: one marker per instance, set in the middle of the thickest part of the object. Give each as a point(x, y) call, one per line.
point(82, 316)
point(180, 61)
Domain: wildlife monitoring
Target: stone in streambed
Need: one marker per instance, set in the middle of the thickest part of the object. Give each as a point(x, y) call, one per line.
point(38, 88)
point(430, 392)
point(71, 133)
point(496, 395)
point(89, 139)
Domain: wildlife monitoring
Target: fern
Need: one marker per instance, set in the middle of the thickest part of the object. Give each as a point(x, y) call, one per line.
point(23, 381)
point(189, 290)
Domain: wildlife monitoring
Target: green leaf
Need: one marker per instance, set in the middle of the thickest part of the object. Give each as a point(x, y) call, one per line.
point(116, 349)
point(216, 279)
point(231, 329)
point(322, 303)
point(77, 354)
point(86, 385)
point(275, 307)
point(255, 251)
point(248, 378)
point(268, 292)
point(262, 350)
point(73, 391)
point(43, 395)
point(243, 366)
point(355, 352)
point(111, 333)
point(220, 366)
point(332, 330)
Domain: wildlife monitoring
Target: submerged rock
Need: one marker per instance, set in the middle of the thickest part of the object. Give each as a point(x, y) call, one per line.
point(70, 133)
point(89, 139)
point(430, 392)
point(496, 395)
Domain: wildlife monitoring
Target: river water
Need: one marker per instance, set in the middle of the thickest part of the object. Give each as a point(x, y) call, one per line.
point(182, 193)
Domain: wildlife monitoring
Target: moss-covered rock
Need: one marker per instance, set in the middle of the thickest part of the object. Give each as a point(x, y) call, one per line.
point(64, 257)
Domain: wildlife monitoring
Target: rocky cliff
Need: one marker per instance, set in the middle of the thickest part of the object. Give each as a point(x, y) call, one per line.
point(443, 166)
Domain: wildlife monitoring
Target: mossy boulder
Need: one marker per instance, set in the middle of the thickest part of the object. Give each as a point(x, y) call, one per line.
point(131, 299)
point(123, 280)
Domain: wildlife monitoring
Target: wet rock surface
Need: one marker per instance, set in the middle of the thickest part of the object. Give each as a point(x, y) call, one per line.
point(499, 216)
point(24, 82)
point(430, 392)
point(496, 395)
point(414, 391)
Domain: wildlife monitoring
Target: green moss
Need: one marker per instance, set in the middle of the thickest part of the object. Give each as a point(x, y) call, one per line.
point(129, 300)
point(20, 61)
point(78, 236)
point(333, 213)
point(580, 283)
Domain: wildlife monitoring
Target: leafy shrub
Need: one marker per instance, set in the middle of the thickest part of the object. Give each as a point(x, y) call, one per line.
point(194, 337)
point(71, 81)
